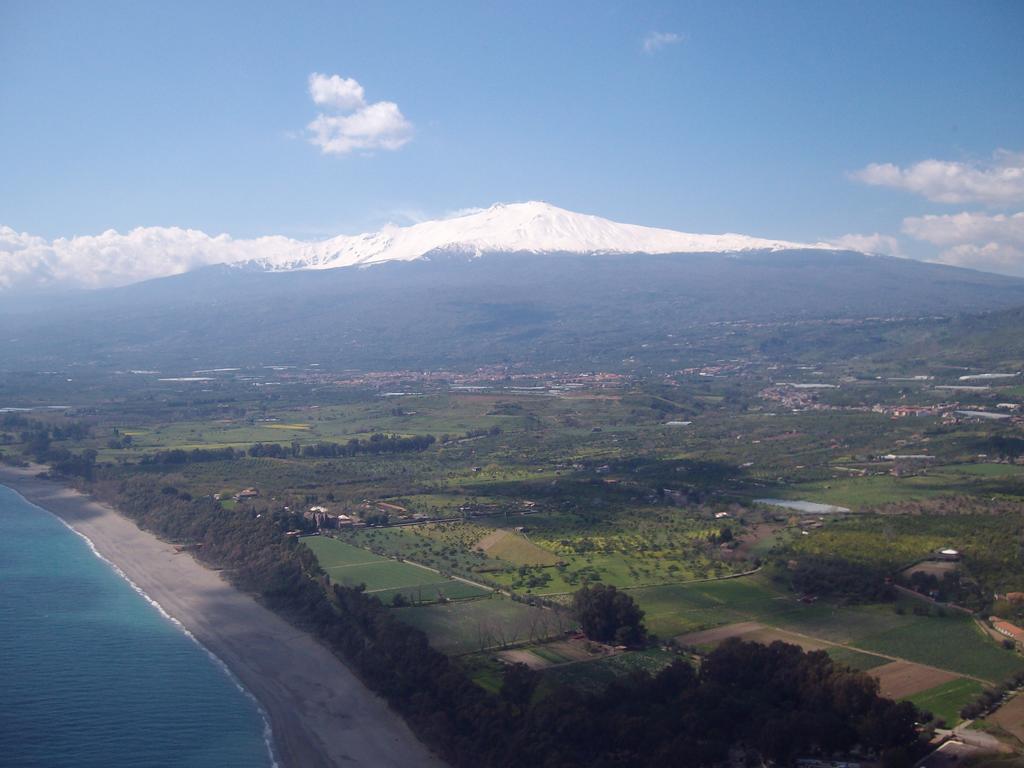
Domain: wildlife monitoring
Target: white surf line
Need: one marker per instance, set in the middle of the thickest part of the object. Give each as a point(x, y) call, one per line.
point(268, 734)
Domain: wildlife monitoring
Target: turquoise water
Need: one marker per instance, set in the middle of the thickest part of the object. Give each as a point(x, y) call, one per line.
point(91, 674)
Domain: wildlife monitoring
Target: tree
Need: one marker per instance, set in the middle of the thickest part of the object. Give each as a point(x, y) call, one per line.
point(608, 615)
point(517, 686)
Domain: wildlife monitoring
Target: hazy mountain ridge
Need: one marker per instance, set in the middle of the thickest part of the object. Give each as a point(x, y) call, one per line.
point(609, 311)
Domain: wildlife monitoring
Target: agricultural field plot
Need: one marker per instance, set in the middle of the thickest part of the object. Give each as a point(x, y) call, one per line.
point(351, 480)
point(859, 493)
point(333, 554)
point(858, 660)
point(515, 548)
point(222, 433)
point(553, 654)
point(988, 542)
point(753, 631)
point(952, 642)
point(627, 548)
point(946, 701)
point(1010, 717)
point(901, 679)
point(558, 555)
point(680, 608)
point(594, 676)
point(524, 656)
point(750, 631)
point(709, 638)
point(446, 546)
point(936, 568)
point(436, 415)
point(845, 624)
point(955, 643)
point(350, 566)
point(760, 538)
point(442, 590)
point(987, 469)
point(433, 505)
point(474, 625)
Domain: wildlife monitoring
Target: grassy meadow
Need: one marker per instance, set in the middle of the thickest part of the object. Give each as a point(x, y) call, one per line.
point(351, 566)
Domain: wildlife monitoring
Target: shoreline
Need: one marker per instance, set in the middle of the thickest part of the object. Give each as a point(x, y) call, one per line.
point(317, 712)
point(268, 732)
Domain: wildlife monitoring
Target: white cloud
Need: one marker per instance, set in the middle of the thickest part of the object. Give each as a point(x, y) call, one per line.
point(335, 91)
point(990, 257)
point(352, 124)
point(994, 243)
point(960, 228)
point(999, 182)
point(112, 259)
point(655, 41)
point(874, 243)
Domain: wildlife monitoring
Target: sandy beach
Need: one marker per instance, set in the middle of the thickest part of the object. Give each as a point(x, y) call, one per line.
point(320, 713)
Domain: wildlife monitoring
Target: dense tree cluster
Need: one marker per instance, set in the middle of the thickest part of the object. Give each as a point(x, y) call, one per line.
point(987, 531)
point(945, 589)
point(66, 462)
point(608, 615)
point(29, 427)
point(470, 434)
point(378, 443)
point(835, 577)
point(776, 701)
point(38, 437)
point(1004, 446)
point(193, 456)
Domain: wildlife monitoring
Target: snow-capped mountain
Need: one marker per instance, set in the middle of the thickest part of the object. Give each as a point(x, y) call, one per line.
point(534, 227)
point(511, 284)
point(112, 259)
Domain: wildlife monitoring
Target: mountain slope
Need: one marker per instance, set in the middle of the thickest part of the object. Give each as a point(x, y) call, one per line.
point(550, 310)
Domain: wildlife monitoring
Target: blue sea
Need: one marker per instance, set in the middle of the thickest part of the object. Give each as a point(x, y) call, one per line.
point(92, 674)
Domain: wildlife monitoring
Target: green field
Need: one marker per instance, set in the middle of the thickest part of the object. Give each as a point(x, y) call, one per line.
point(950, 642)
point(859, 493)
point(858, 660)
point(351, 566)
point(472, 625)
point(954, 643)
point(988, 470)
point(606, 493)
point(557, 554)
point(680, 608)
point(946, 700)
point(593, 676)
point(516, 549)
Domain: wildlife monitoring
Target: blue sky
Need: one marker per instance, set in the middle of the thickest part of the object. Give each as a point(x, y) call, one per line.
point(755, 117)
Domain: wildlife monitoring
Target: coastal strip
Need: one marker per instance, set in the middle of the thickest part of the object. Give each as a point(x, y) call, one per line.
point(320, 714)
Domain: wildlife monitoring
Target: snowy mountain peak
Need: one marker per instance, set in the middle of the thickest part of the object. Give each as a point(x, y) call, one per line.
point(29, 262)
point(533, 226)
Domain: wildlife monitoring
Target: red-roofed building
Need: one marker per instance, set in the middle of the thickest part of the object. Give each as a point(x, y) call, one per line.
point(1007, 629)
